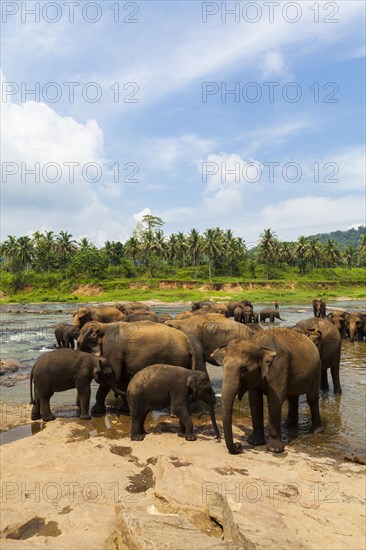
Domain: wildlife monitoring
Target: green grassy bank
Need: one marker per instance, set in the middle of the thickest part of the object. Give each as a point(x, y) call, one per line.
point(330, 284)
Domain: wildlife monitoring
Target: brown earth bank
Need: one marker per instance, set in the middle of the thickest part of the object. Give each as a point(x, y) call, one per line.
point(86, 485)
point(88, 290)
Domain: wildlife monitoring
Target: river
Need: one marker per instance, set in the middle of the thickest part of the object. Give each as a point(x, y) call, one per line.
point(27, 332)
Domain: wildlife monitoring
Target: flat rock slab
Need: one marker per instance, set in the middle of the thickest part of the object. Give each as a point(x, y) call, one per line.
point(151, 530)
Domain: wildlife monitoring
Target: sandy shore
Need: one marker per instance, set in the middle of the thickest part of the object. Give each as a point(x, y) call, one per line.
point(86, 485)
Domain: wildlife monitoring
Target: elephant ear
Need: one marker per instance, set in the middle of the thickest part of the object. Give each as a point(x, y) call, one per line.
point(192, 384)
point(315, 335)
point(267, 358)
point(219, 354)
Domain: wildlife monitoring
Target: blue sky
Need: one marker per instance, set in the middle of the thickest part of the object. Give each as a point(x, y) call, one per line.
point(133, 113)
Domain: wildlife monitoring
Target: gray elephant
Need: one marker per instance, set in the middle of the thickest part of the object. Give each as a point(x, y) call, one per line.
point(270, 314)
point(132, 316)
point(66, 334)
point(124, 306)
point(319, 308)
point(102, 314)
point(199, 305)
point(356, 326)
point(65, 369)
point(159, 386)
point(329, 350)
point(255, 317)
point(212, 331)
point(339, 319)
point(130, 347)
point(278, 363)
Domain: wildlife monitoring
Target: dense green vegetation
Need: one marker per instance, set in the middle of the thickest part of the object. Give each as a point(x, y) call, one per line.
point(51, 267)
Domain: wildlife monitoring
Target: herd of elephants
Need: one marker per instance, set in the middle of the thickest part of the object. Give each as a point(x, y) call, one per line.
point(156, 361)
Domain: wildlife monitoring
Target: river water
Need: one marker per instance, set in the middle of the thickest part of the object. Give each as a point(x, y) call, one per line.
point(27, 331)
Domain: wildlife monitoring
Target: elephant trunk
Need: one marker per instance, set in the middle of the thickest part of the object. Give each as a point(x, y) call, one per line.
point(117, 391)
point(352, 332)
point(228, 395)
point(211, 408)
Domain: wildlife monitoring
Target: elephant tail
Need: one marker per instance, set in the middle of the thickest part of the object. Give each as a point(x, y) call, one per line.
point(32, 402)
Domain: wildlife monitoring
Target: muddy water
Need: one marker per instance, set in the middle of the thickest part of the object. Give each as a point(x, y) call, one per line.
point(26, 331)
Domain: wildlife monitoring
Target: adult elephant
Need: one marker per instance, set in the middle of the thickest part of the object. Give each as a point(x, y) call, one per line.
point(140, 315)
point(102, 314)
point(124, 306)
point(216, 308)
point(212, 331)
point(243, 314)
point(356, 325)
point(319, 308)
point(339, 319)
point(130, 347)
point(274, 363)
point(329, 350)
point(270, 314)
point(200, 304)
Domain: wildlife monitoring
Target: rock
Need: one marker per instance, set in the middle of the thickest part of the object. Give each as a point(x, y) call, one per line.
point(10, 381)
point(148, 529)
point(10, 365)
point(243, 524)
point(358, 459)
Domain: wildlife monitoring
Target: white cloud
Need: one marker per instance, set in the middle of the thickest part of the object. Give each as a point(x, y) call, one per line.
point(140, 215)
point(226, 176)
point(275, 66)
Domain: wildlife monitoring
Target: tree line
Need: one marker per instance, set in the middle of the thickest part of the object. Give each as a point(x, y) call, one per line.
point(150, 250)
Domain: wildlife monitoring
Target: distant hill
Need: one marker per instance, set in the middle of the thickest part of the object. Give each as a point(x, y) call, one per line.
point(351, 237)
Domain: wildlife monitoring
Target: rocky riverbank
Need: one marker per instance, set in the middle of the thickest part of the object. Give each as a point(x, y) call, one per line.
point(85, 485)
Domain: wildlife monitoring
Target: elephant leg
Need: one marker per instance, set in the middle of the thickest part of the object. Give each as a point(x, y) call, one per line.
point(274, 444)
point(137, 424)
point(46, 414)
point(84, 400)
point(335, 377)
point(324, 380)
point(99, 407)
point(186, 424)
point(316, 421)
point(36, 409)
point(256, 410)
point(293, 412)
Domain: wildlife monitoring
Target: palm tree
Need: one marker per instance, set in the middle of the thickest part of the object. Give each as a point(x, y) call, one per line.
point(65, 246)
point(172, 249)
point(314, 251)
point(362, 246)
point(267, 249)
point(182, 247)
point(349, 254)
point(133, 249)
point(211, 246)
point(25, 251)
point(301, 253)
point(331, 253)
point(194, 247)
point(85, 244)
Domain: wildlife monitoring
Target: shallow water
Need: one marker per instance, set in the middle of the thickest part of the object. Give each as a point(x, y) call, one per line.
point(26, 332)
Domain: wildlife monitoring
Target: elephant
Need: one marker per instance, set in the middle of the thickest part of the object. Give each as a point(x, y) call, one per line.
point(212, 331)
point(124, 306)
point(255, 317)
point(159, 386)
point(356, 325)
point(164, 317)
point(65, 369)
point(339, 319)
point(103, 314)
point(66, 334)
point(329, 350)
point(199, 305)
point(216, 308)
point(243, 314)
point(270, 314)
point(232, 305)
point(130, 347)
point(141, 315)
point(319, 307)
point(278, 365)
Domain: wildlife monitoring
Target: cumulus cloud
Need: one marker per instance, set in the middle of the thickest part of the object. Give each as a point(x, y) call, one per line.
point(53, 172)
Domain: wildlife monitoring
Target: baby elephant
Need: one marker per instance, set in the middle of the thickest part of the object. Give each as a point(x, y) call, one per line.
point(65, 369)
point(159, 386)
point(66, 334)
